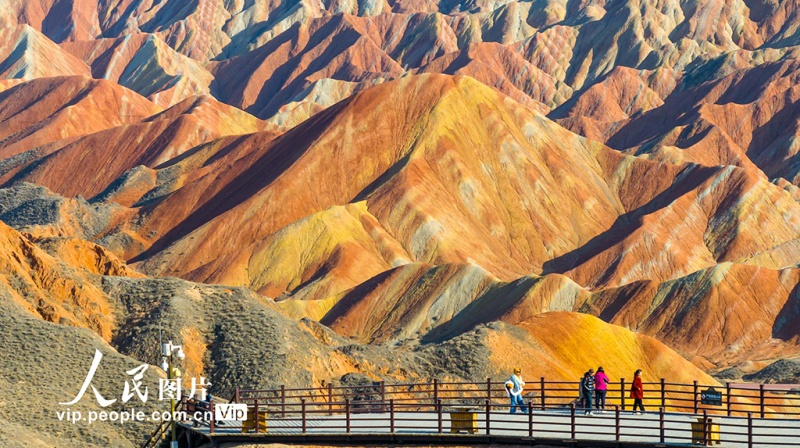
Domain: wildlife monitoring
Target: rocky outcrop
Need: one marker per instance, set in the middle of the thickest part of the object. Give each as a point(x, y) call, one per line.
point(784, 371)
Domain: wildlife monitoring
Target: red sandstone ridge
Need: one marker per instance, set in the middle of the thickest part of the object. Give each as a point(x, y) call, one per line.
point(503, 69)
point(53, 289)
point(338, 47)
point(145, 64)
point(144, 141)
point(424, 149)
point(26, 54)
point(419, 174)
point(287, 62)
point(44, 111)
point(415, 171)
point(742, 119)
point(629, 231)
point(250, 210)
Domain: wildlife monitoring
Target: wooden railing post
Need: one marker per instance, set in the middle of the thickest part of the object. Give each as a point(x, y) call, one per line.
point(728, 397)
point(541, 390)
point(530, 418)
point(439, 414)
point(572, 426)
point(236, 395)
point(383, 396)
point(488, 418)
point(330, 399)
point(303, 414)
point(761, 398)
point(489, 390)
point(661, 424)
point(616, 423)
point(211, 423)
point(749, 430)
point(706, 438)
point(435, 391)
point(347, 415)
point(622, 392)
point(255, 411)
point(694, 395)
point(391, 415)
point(283, 401)
point(664, 393)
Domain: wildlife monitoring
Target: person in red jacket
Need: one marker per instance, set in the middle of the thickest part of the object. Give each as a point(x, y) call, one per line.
point(637, 391)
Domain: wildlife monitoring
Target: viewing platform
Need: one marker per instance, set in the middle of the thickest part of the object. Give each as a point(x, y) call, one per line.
point(436, 413)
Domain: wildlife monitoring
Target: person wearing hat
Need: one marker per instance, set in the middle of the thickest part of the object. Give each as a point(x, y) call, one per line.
point(514, 388)
point(587, 384)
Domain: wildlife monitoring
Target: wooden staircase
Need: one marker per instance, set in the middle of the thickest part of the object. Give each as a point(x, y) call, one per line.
point(160, 438)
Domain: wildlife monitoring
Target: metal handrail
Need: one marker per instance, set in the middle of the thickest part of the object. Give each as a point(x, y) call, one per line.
point(158, 435)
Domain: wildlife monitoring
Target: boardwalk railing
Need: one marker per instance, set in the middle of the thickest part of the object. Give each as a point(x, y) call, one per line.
point(737, 399)
point(159, 435)
point(748, 415)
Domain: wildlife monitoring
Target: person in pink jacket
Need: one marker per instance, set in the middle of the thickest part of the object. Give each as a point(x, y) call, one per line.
point(600, 389)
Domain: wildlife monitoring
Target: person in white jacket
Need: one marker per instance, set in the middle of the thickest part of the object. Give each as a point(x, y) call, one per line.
point(514, 388)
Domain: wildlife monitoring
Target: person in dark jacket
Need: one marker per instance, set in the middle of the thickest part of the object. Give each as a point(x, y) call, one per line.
point(600, 389)
point(637, 391)
point(588, 390)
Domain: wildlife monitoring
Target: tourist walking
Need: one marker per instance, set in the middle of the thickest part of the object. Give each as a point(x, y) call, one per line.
point(637, 391)
point(514, 388)
point(587, 385)
point(600, 389)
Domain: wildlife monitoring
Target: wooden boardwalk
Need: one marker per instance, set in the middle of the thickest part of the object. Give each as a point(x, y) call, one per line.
point(548, 427)
point(736, 415)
